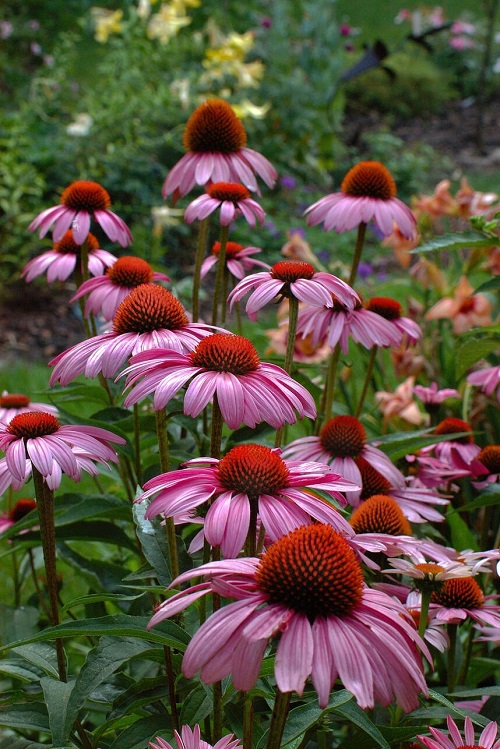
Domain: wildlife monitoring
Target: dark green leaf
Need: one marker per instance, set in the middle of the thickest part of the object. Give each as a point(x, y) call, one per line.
point(472, 351)
point(42, 655)
point(359, 718)
point(461, 535)
point(197, 705)
point(29, 716)
point(455, 242)
point(153, 542)
point(61, 716)
point(98, 598)
point(140, 733)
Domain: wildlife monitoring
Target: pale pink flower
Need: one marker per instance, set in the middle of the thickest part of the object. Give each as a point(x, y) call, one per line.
point(400, 403)
point(440, 203)
point(390, 309)
point(465, 309)
point(248, 391)
point(38, 439)
point(307, 588)
point(148, 318)
point(239, 259)
point(233, 200)
point(12, 404)
point(368, 193)
point(431, 396)
point(487, 379)
point(340, 443)
point(433, 472)
point(296, 248)
point(190, 739)
point(215, 140)
point(292, 278)
point(461, 598)
point(80, 203)
point(487, 740)
point(425, 573)
point(304, 350)
point(475, 203)
point(282, 490)
point(107, 292)
point(65, 257)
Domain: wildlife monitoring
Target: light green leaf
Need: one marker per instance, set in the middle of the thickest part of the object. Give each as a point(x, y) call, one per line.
point(456, 242)
point(61, 716)
point(461, 535)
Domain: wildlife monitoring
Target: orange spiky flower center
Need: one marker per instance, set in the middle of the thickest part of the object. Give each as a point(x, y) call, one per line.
point(68, 246)
point(14, 400)
point(313, 571)
point(253, 470)
point(230, 191)
point(460, 593)
point(149, 307)
point(214, 128)
point(343, 437)
point(233, 249)
point(369, 179)
point(429, 583)
point(21, 508)
point(33, 424)
point(86, 196)
point(385, 307)
point(130, 271)
point(490, 458)
point(380, 514)
point(291, 270)
point(223, 352)
point(372, 480)
point(452, 426)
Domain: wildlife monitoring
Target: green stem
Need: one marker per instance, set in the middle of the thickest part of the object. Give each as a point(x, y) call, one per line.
point(37, 583)
point(293, 315)
point(45, 505)
point(247, 720)
point(251, 542)
point(217, 424)
point(360, 240)
point(200, 253)
point(219, 278)
point(217, 708)
point(329, 391)
point(467, 657)
point(163, 449)
point(424, 612)
point(368, 377)
point(137, 445)
point(452, 634)
point(167, 654)
point(278, 720)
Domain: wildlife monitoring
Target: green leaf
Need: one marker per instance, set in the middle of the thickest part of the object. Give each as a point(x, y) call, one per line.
point(12, 742)
point(17, 623)
point(394, 736)
point(492, 285)
point(61, 716)
point(477, 693)
point(14, 669)
point(396, 446)
point(141, 732)
point(153, 541)
point(472, 351)
point(100, 597)
point(41, 655)
point(197, 705)
point(461, 535)
point(358, 717)
point(442, 700)
point(456, 242)
point(103, 532)
point(102, 575)
point(29, 715)
point(488, 498)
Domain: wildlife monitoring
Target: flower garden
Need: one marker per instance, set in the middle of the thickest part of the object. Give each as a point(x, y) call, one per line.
point(257, 503)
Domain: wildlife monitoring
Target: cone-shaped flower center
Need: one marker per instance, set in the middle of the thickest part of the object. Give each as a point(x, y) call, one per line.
point(86, 196)
point(429, 569)
point(373, 482)
point(312, 570)
point(451, 426)
point(385, 307)
point(291, 270)
point(68, 246)
point(33, 424)
point(253, 470)
point(343, 437)
point(230, 191)
point(233, 249)
point(223, 352)
point(147, 308)
point(380, 514)
point(460, 593)
point(489, 457)
point(14, 400)
point(21, 508)
point(130, 271)
point(369, 179)
point(214, 127)
point(430, 583)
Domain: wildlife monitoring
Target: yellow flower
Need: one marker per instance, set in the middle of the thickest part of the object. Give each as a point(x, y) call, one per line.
point(106, 22)
point(165, 24)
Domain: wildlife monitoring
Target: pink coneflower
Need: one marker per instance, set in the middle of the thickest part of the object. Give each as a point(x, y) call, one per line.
point(487, 379)
point(38, 439)
point(462, 598)
point(12, 404)
point(232, 199)
point(429, 576)
point(307, 588)
point(341, 441)
point(190, 739)
point(390, 309)
point(434, 473)
point(487, 740)
point(18, 512)
point(248, 476)
point(215, 140)
point(80, 202)
point(368, 194)
point(148, 318)
point(336, 323)
point(65, 257)
point(239, 259)
point(432, 397)
point(108, 291)
point(461, 452)
point(292, 278)
point(489, 458)
point(228, 366)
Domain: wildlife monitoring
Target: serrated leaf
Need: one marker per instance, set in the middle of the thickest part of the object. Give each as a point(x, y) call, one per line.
point(456, 242)
point(61, 716)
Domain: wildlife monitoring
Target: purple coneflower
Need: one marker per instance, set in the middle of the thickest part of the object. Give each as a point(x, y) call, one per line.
point(80, 203)
point(20, 509)
point(307, 588)
point(487, 379)
point(239, 259)
point(108, 291)
point(215, 140)
point(461, 598)
point(148, 318)
point(368, 193)
point(432, 396)
point(65, 257)
point(232, 199)
point(12, 404)
point(487, 740)
point(190, 739)
point(461, 452)
point(390, 309)
point(248, 477)
point(292, 278)
point(248, 391)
